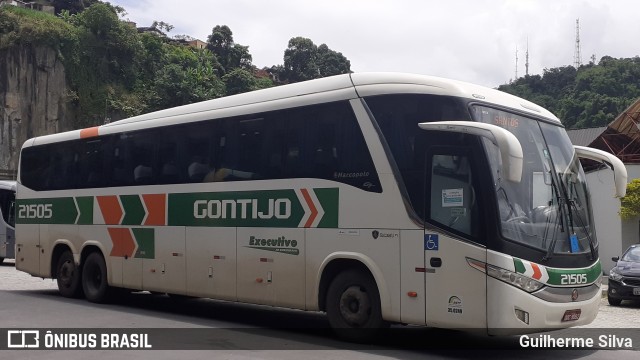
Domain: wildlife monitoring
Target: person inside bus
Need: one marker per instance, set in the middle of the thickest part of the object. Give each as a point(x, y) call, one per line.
point(142, 174)
point(198, 169)
point(170, 173)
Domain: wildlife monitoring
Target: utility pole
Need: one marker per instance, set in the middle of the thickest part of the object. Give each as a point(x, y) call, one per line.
point(577, 59)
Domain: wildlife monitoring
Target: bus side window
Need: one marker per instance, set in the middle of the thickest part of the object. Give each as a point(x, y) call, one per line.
point(453, 199)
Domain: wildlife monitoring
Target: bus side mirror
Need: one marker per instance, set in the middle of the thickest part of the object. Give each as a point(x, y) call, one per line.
point(507, 143)
point(619, 170)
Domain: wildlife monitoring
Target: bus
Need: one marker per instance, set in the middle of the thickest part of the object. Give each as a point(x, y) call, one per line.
point(377, 198)
point(7, 219)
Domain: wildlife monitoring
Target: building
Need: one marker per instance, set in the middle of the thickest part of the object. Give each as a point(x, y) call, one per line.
point(29, 5)
point(621, 138)
point(198, 44)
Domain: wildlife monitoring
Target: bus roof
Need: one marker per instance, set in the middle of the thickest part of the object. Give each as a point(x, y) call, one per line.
point(339, 87)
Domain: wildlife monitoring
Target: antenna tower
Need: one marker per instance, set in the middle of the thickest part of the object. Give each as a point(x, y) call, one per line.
point(516, 63)
point(526, 64)
point(577, 59)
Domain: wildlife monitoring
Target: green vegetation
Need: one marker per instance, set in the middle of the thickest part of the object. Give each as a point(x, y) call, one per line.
point(630, 203)
point(19, 27)
point(590, 96)
point(113, 71)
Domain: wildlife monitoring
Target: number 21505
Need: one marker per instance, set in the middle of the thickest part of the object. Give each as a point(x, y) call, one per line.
point(35, 211)
point(570, 279)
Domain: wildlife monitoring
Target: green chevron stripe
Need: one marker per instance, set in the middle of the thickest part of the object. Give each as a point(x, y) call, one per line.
point(519, 265)
point(133, 210)
point(85, 205)
point(146, 243)
point(329, 201)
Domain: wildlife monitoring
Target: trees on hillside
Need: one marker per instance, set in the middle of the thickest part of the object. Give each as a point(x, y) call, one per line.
point(72, 6)
point(303, 60)
point(229, 54)
point(590, 96)
point(113, 71)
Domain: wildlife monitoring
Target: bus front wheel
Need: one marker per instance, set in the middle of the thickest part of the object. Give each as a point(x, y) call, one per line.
point(353, 306)
point(68, 276)
point(94, 278)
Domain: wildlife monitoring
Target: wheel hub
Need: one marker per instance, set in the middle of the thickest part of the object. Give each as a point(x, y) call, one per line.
point(355, 306)
point(66, 273)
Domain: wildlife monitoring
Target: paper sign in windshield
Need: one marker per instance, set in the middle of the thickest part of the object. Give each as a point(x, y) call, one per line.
point(452, 197)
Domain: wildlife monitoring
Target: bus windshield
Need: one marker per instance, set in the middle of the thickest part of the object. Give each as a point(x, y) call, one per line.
point(549, 209)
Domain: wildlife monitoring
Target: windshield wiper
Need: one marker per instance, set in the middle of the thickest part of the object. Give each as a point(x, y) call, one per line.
point(559, 213)
point(561, 199)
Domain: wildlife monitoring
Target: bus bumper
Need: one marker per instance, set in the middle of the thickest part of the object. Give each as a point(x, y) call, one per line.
point(509, 309)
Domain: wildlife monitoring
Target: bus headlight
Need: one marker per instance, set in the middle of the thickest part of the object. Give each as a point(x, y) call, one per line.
point(518, 280)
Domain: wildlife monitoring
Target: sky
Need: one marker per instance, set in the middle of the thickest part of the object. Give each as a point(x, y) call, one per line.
point(468, 40)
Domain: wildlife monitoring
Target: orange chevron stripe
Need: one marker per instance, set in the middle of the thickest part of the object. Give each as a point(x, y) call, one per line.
point(111, 210)
point(312, 207)
point(123, 243)
point(537, 274)
point(156, 209)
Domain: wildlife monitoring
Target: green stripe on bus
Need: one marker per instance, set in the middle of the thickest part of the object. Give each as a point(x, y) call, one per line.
point(270, 208)
point(267, 208)
point(329, 200)
point(592, 273)
point(85, 205)
point(46, 211)
point(146, 243)
point(519, 266)
point(133, 210)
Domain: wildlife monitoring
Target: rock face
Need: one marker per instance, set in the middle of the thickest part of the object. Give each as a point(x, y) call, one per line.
point(33, 98)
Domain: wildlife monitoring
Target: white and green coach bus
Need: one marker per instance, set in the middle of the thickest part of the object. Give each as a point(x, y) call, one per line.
point(7, 219)
point(377, 198)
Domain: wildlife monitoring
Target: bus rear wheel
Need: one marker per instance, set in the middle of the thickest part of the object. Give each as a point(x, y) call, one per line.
point(353, 306)
point(68, 276)
point(94, 278)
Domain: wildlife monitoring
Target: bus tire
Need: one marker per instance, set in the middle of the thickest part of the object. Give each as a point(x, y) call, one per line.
point(68, 276)
point(353, 306)
point(1, 260)
point(94, 278)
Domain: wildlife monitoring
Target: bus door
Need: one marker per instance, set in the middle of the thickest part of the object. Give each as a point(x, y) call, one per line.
point(455, 291)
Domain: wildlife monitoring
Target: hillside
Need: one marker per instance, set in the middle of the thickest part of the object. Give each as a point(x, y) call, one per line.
point(84, 66)
point(593, 95)
point(115, 69)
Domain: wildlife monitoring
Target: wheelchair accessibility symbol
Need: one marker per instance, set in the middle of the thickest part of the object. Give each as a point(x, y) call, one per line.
point(431, 242)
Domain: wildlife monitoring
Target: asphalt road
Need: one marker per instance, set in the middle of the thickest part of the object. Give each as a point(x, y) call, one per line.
point(236, 331)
